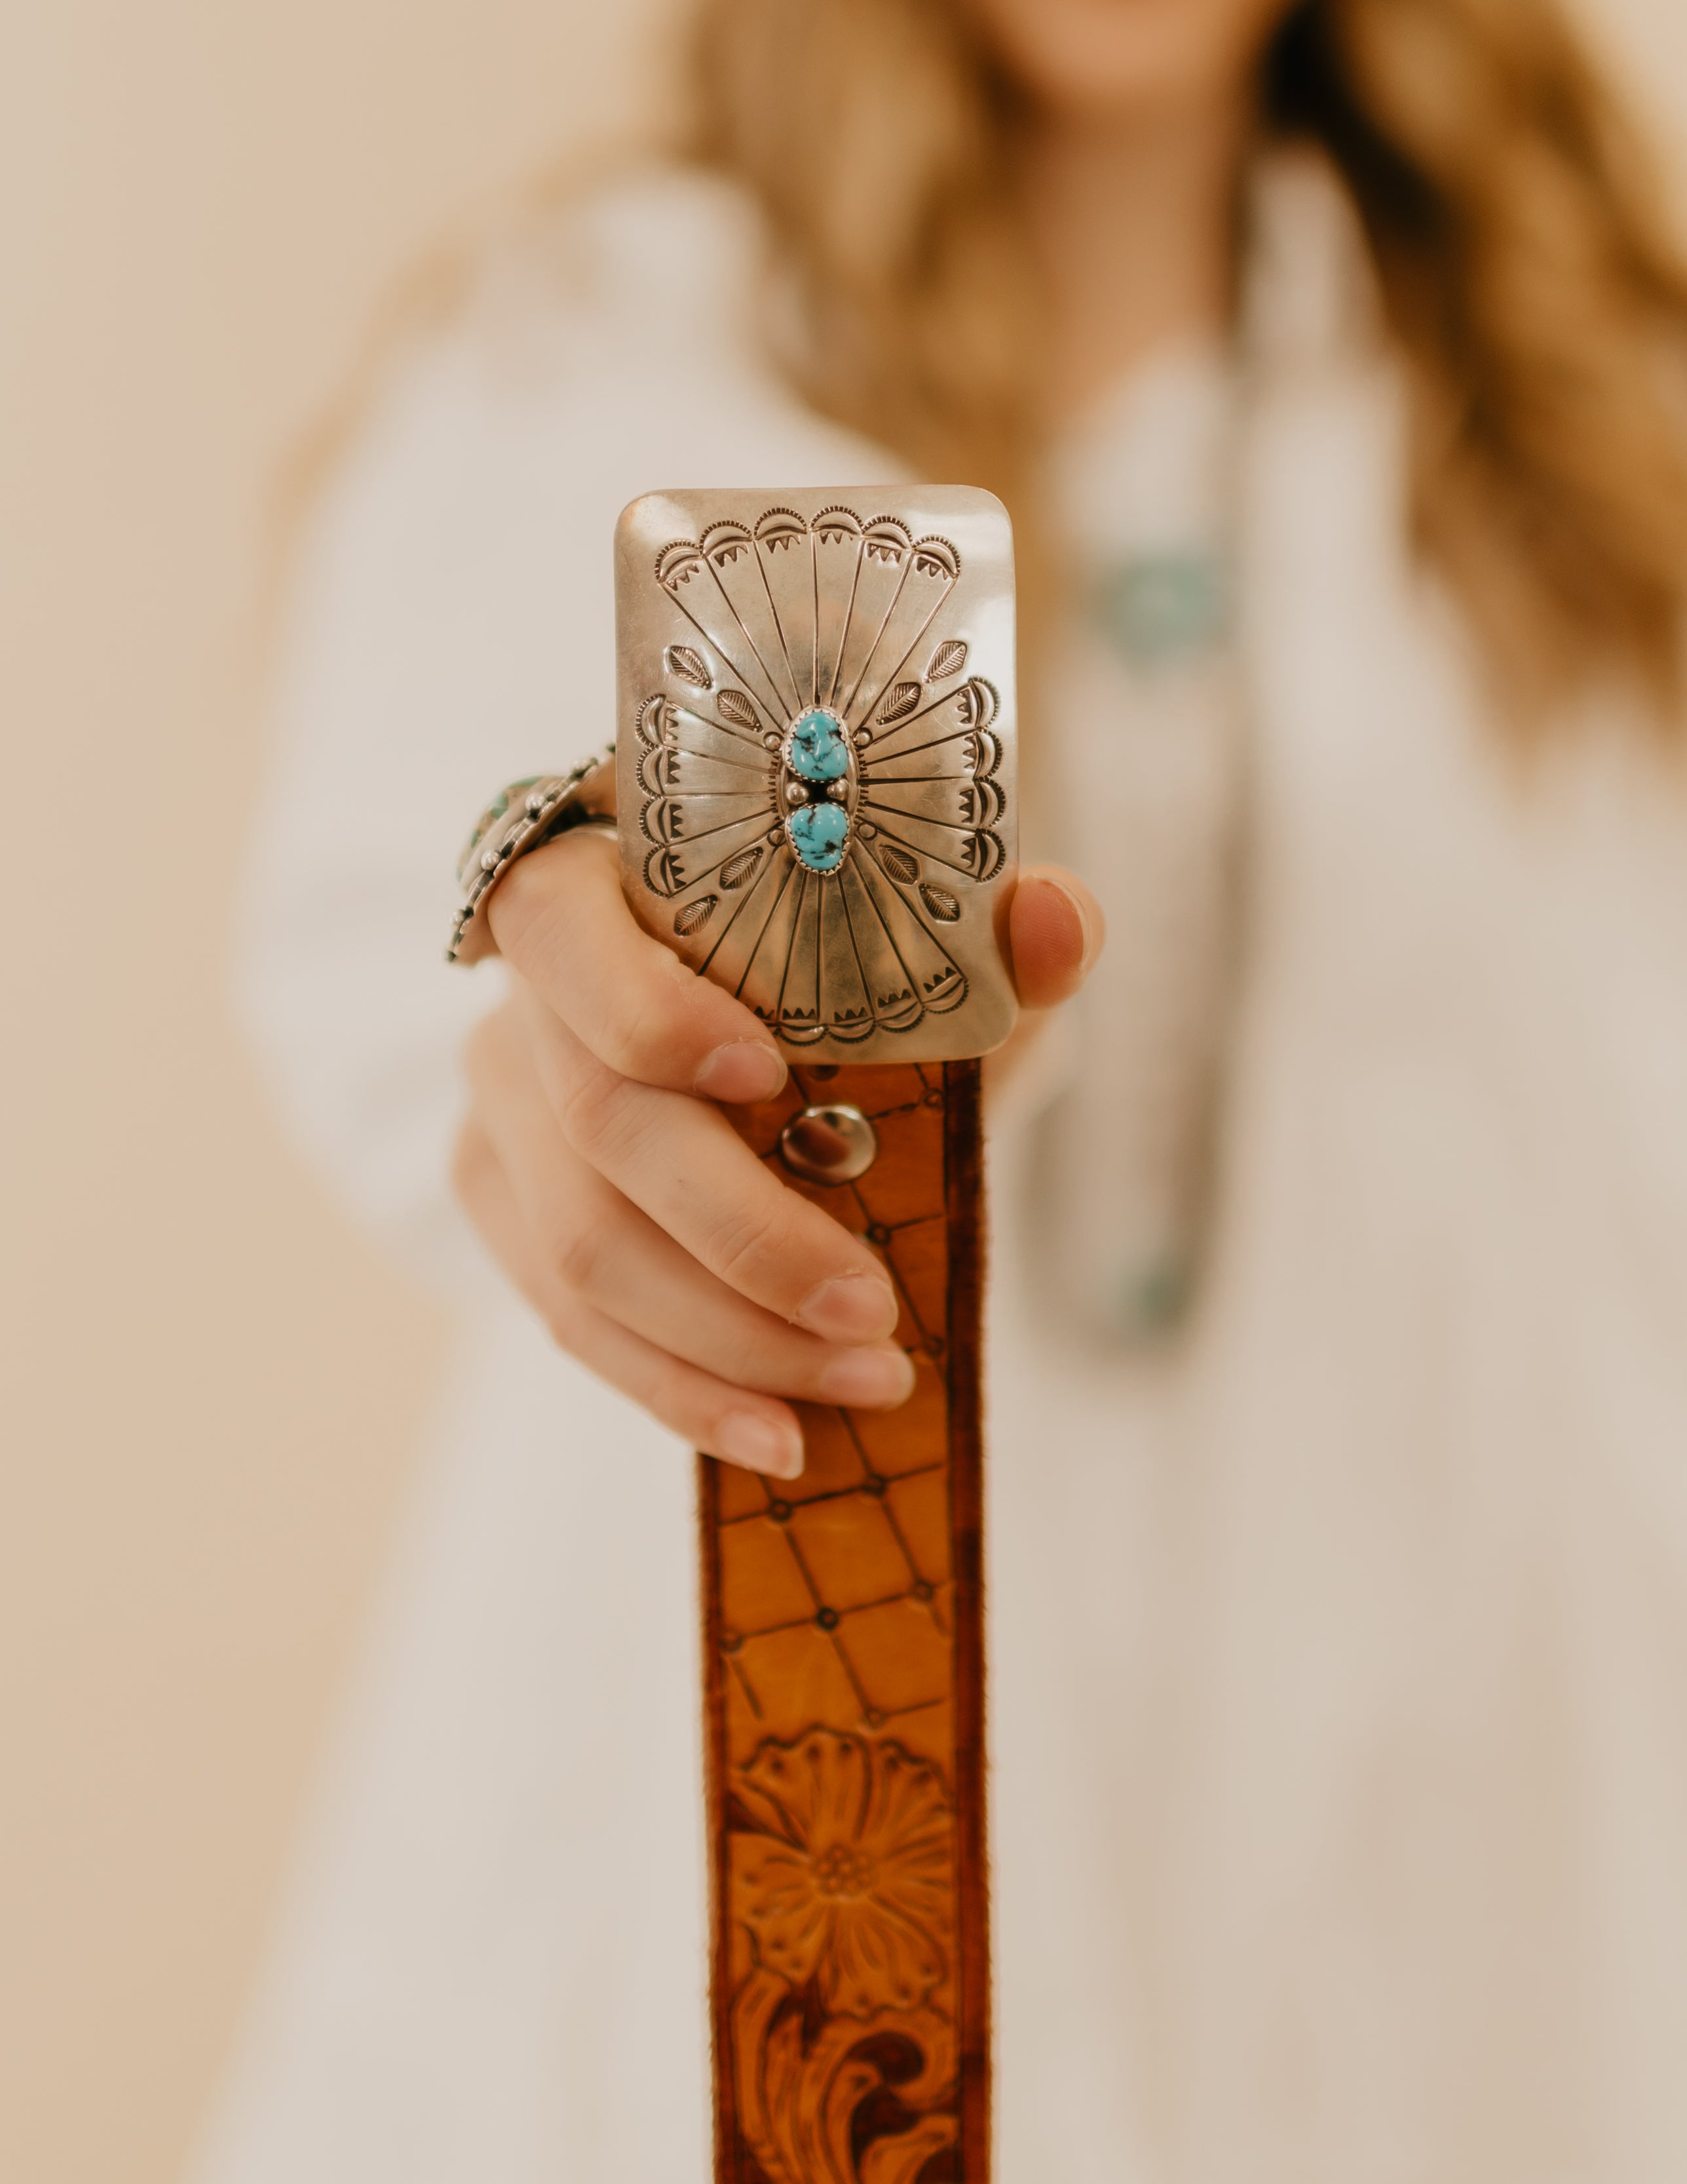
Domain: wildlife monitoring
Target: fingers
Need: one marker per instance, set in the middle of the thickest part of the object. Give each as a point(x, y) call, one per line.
point(681, 1160)
point(1056, 932)
point(743, 1428)
point(561, 918)
point(609, 1253)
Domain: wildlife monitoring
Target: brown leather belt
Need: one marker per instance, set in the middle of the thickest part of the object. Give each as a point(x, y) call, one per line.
point(816, 791)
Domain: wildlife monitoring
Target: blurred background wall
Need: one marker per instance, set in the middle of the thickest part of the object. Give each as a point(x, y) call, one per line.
point(209, 1387)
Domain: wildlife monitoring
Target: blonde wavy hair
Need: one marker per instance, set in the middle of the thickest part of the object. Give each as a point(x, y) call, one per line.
point(1529, 281)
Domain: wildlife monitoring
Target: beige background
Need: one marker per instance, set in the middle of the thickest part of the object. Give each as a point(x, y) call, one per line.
point(209, 1387)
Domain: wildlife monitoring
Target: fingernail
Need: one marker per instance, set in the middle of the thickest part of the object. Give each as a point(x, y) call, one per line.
point(849, 1309)
point(878, 1378)
point(1094, 933)
point(745, 1070)
point(1091, 932)
point(760, 1444)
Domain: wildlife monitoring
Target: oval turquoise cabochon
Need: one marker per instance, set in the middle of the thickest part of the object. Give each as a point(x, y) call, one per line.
point(817, 833)
point(818, 752)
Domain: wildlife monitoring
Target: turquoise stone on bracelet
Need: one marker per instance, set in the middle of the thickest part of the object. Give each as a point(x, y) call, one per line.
point(818, 752)
point(817, 833)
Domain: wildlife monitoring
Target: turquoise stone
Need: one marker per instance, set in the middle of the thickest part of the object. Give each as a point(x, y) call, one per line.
point(818, 832)
point(818, 751)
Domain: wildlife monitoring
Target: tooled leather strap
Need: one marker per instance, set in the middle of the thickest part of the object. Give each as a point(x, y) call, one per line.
point(816, 780)
point(844, 1666)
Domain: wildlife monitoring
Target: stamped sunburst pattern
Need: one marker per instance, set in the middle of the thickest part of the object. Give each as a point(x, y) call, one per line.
point(820, 784)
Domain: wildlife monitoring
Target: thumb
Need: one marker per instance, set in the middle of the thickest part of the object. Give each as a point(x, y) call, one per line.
point(1056, 932)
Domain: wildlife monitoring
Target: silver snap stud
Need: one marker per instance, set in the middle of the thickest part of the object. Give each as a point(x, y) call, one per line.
point(828, 1145)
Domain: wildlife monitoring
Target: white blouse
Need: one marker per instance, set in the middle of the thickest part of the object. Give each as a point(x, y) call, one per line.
point(1339, 1627)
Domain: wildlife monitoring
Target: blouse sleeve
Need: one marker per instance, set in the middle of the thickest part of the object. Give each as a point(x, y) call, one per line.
point(421, 670)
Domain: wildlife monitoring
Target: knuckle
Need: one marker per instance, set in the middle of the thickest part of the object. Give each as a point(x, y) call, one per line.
point(643, 1031)
point(749, 1239)
point(587, 1108)
point(574, 1250)
point(598, 1119)
point(569, 1231)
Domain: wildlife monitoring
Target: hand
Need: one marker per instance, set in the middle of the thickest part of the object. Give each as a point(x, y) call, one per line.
point(619, 1199)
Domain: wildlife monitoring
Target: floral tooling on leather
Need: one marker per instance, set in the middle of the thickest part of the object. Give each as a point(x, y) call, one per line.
point(843, 1860)
point(848, 2024)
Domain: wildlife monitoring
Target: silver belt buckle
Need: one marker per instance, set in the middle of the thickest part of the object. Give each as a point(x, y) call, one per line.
point(817, 761)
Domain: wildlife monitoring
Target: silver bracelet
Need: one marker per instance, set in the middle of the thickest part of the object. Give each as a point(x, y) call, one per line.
point(518, 819)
